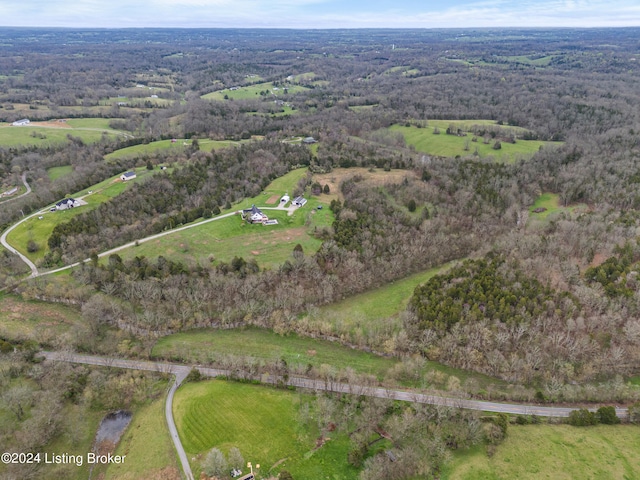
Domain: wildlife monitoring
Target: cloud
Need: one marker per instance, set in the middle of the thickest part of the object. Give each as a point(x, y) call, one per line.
point(319, 13)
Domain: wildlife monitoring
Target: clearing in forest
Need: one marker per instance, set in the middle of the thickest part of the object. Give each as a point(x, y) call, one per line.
point(462, 144)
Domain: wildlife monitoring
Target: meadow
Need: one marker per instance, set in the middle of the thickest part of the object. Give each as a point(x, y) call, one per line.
point(206, 345)
point(22, 320)
point(253, 92)
point(555, 452)
point(146, 149)
point(424, 140)
point(42, 134)
point(551, 202)
point(263, 423)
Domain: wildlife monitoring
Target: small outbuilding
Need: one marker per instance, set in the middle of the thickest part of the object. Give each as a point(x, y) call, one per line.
point(128, 176)
point(309, 140)
point(299, 201)
point(285, 199)
point(21, 123)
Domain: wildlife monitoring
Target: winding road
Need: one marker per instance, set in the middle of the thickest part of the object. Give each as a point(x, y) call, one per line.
point(27, 186)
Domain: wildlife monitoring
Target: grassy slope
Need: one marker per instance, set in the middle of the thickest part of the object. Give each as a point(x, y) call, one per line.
point(149, 148)
point(34, 320)
point(57, 172)
point(551, 201)
point(445, 145)
point(264, 344)
point(40, 229)
point(147, 445)
point(262, 423)
point(89, 130)
point(557, 452)
point(253, 92)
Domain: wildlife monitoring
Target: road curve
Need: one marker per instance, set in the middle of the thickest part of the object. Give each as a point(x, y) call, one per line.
point(5, 244)
point(26, 184)
point(322, 385)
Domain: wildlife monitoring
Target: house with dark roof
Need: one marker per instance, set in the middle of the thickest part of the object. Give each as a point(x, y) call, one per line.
point(254, 215)
point(67, 203)
point(128, 176)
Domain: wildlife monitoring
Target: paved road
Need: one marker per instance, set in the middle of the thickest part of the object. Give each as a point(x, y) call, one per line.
point(181, 374)
point(322, 385)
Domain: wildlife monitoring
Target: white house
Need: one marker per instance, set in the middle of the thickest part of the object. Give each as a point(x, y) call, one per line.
point(254, 215)
point(128, 176)
point(21, 123)
point(67, 203)
point(299, 201)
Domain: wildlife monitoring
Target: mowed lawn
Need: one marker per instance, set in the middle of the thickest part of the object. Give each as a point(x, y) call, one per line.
point(424, 140)
point(555, 452)
point(39, 229)
point(205, 345)
point(263, 423)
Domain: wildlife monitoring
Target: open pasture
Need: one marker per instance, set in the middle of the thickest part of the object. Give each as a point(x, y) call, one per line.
point(254, 92)
point(555, 452)
point(54, 132)
point(443, 145)
point(204, 345)
point(146, 149)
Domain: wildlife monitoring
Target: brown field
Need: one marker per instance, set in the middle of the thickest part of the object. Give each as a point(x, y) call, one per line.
point(375, 177)
point(51, 124)
point(273, 199)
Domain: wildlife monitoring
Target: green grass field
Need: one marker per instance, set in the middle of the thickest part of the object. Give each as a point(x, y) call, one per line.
point(554, 452)
point(39, 230)
point(148, 447)
point(262, 422)
point(180, 144)
point(42, 136)
point(224, 239)
point(43, 322)
point(253, 92)
point(424, 140)
point(383, 302)
point(203, 345)
point(57, 172)
point(551, 201)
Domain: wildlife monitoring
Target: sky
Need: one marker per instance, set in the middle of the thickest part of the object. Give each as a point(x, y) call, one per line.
point(320, 13)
